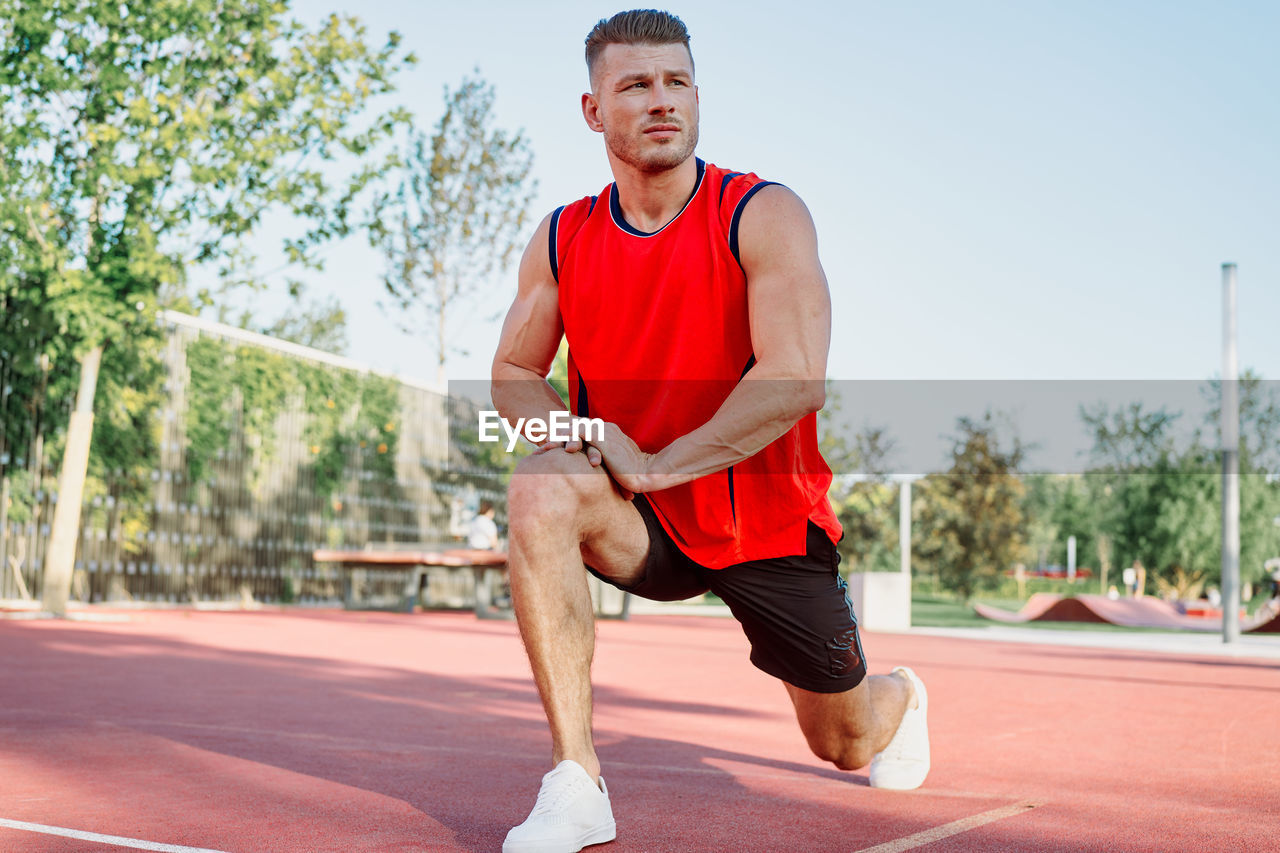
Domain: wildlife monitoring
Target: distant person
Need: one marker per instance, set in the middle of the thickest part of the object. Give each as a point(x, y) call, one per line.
point(681, 270)
point(483, 534)
point(484, 537)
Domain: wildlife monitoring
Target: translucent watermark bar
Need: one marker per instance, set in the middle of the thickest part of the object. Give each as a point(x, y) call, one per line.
point(888, 428)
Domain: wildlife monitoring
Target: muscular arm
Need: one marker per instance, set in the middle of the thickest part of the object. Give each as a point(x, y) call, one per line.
point(790, 315)
point(530, 337)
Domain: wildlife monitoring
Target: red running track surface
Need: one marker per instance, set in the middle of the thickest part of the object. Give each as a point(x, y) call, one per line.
point(310, 731)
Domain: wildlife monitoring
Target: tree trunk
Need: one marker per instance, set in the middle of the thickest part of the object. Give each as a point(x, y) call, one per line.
point(441, 382)
point(37, 459)
point(60, 558)
point(4, 517)
point(4, 465)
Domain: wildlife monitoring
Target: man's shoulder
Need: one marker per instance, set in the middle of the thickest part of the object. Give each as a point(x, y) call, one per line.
point(722, 177)
point(564, 224)
point(732, 191)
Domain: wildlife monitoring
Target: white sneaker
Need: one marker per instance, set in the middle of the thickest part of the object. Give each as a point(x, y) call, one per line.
point(903, 764)
point(571, 813)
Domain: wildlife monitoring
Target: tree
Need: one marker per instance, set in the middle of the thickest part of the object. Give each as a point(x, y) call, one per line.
point(454, 219)
point(141, 138)
point(1259, 421)
point(863, 498)
point(971, 516)
point(1043, 492)
point(1161, 503)
point(318, 324)
point(1129, 438)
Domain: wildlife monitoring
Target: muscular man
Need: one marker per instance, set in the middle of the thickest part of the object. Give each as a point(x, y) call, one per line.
point(698, 323)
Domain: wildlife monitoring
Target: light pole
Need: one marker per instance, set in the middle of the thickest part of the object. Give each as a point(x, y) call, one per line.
point(1230, 462)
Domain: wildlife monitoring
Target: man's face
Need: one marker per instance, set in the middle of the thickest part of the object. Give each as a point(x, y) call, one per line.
point(645, 104)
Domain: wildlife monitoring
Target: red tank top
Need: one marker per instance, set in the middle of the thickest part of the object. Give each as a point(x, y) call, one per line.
point(659, 335)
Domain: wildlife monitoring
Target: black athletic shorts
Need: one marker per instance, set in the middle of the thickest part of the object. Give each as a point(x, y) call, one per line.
point(794, 610)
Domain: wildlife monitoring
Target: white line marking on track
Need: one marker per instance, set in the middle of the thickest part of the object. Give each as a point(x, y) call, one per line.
point(919, 839)
point(135, 843)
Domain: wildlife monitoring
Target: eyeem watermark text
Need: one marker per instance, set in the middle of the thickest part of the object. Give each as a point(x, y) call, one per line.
point(562, 427)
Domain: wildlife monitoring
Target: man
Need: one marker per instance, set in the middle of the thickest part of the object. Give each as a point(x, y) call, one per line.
point(698, 323)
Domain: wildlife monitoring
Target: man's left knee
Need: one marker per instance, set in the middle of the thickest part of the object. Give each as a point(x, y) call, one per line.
point(847, 751)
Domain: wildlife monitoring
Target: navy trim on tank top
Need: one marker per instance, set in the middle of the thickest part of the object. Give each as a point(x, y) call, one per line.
point(733, 504)
point(724, 183)
point(615, 207)
point(551, 243)
point(737, 215)
point(584, 410)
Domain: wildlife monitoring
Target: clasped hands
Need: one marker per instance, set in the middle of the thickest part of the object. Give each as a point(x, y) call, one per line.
point(632, 470)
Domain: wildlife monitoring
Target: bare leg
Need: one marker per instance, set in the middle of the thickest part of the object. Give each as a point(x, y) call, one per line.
point(560, 509)
point(849, 728)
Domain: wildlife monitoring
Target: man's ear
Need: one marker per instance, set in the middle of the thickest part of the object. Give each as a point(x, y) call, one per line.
point(591, 112)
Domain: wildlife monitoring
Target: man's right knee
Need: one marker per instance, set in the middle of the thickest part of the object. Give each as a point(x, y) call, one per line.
point(552, 487)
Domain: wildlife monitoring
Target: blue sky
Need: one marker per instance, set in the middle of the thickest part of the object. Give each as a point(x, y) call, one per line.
point(1002, 190)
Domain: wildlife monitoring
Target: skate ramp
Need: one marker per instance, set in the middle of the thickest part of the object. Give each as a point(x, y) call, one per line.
point(1266, 620)
point(1127, 612)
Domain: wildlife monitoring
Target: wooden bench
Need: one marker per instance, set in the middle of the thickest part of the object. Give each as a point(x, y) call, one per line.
point(483, 565)
point(416, 564)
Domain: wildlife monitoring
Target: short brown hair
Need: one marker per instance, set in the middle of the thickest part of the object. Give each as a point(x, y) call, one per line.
point(639, 26)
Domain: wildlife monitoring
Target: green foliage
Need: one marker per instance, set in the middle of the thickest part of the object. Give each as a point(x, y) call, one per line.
point(20, 496)
point(1058, 506)
point(558, 379)
point(264, 380)
point(320, 325)
point(1161, 503)
point(234, 384)
point(1259, 421)
point(970, 517)
point(138, 139)
point(1043, 493)
point(865, 503)
point(348, 415)
point(126, 434)
point(38, 371)
point(1129, 438)
point(1259, 524)
point(868, 512)
point(165, 131)
point(208, 416)
point(455, 218)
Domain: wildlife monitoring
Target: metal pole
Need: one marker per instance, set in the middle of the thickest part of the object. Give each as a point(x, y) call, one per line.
point(1230, 462)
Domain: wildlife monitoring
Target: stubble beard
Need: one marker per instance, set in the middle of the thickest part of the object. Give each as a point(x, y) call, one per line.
point(642, 155)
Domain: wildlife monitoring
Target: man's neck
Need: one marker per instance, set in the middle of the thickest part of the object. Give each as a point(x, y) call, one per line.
point(650, 200)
